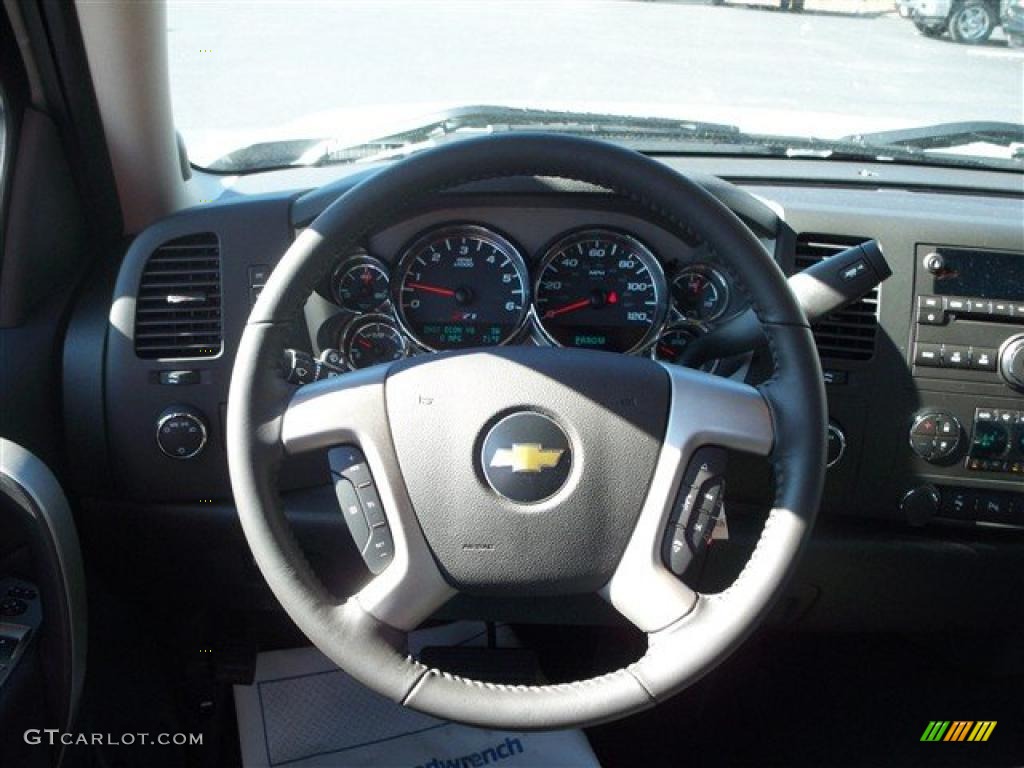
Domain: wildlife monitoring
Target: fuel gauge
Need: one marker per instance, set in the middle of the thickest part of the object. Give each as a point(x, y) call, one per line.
point(673, 342)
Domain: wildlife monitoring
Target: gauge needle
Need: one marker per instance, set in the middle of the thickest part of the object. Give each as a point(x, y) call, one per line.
point(568, 308)
point(431, 289)
point(666, 351)
point(364, 343)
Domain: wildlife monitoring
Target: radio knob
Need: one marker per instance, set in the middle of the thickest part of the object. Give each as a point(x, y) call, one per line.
point(1011, 362)
point(181, 432)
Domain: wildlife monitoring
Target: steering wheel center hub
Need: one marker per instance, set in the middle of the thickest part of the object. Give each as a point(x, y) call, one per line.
point(526, 457)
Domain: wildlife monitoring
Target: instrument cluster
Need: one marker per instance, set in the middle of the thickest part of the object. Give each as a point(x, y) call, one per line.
point(466, 285)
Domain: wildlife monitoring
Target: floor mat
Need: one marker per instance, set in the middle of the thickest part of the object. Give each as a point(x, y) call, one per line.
point(302, 711)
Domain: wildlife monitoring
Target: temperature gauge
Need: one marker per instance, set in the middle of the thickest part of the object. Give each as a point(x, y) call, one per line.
point(372, 339)
point(700, 293)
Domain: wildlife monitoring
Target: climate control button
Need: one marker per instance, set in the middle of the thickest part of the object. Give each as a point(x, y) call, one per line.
point(935, 436)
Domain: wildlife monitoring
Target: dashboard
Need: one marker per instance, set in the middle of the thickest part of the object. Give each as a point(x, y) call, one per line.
point(926, 409)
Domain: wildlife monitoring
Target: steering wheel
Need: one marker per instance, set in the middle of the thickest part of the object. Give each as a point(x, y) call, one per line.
point(628, 426)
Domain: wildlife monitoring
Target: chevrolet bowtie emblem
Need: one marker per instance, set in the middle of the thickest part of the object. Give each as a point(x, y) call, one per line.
point(526, 457)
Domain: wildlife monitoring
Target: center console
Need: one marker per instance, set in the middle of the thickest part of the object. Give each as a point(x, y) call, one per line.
point(967, 362)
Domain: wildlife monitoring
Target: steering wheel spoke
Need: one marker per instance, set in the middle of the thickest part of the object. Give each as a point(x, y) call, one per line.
point(350, 410)
point(704, 410)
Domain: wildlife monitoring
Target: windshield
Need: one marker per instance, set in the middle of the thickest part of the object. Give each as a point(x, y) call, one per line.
point(274, 84)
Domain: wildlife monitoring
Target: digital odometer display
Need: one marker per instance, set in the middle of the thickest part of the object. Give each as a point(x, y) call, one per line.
point(600, 289)
point(462, 287)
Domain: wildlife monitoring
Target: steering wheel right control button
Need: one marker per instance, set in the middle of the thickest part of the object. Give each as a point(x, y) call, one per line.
point(361, 506)
point(935, 436)
point(697, 509)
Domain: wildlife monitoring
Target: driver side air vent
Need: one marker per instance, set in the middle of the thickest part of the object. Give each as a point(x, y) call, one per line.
point(848, 334)
point(178, 310)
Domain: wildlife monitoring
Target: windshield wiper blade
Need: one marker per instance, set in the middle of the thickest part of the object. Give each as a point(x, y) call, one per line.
point(944, 135)
point(465, 121)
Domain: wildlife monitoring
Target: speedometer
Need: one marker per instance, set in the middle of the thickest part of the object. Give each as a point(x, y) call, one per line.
point(460, 287)
point(601, 289)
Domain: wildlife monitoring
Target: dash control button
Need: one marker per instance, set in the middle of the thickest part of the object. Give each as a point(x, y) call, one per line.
point(928, 355)
point(983, 359)
point(955, 356)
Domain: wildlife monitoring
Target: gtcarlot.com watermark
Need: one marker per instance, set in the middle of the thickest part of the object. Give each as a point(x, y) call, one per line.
point(54, 737)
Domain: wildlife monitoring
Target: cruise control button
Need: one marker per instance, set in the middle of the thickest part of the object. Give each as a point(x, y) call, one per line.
point(676, 551)
point(353, 512)
point(707, 462)
point(929, 355)
point(379, 550)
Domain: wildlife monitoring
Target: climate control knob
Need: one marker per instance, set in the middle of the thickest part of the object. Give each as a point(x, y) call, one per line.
point(1011, 362)
point(935, 436)
point(181, 432)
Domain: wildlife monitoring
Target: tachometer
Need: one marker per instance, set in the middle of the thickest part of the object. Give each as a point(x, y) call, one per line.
point(360, 284)
point(600, 289)
point(460, 287)
point(372, 339)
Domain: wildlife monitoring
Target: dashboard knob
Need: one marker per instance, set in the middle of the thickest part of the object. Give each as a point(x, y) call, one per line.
point(181, 432)
point(1011, 361)
point(935, 436)
point(836, 444)
point(934, 263)
point(921, 504)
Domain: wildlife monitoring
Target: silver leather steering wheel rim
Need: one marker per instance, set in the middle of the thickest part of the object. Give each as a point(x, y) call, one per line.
point(689, 633)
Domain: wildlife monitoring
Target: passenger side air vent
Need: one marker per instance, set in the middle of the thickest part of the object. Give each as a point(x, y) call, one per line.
point(177, 314)
point(848, 334)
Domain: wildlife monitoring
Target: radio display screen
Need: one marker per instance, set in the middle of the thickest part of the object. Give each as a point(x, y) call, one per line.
point(981, 274)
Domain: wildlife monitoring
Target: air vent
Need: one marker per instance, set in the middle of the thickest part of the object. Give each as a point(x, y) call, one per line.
point(177, 314)
point(848, 334)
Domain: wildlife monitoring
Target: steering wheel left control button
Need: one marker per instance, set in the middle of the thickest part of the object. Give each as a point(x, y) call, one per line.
point(372, 508)
point(353, 512)
point(380, 550)
point(360, 502)
point(349, 462)
point(676, 550)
